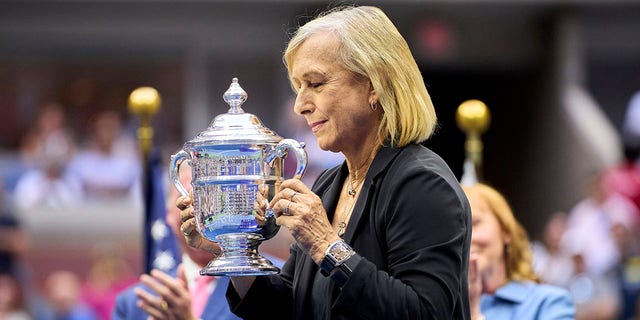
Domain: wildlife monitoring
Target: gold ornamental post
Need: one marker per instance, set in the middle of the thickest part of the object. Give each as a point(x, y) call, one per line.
point(145, 102)
point(473, 118)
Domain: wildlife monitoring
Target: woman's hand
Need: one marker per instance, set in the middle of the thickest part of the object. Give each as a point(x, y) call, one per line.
point(475, 288)
point(188, 227)
point(300, 210)
point(261, 205)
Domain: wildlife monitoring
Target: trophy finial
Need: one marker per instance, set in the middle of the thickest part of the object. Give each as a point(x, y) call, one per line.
point(235, 96)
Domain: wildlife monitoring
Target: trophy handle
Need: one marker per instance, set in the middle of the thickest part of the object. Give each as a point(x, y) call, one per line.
point(286, 145)
point(174, 170)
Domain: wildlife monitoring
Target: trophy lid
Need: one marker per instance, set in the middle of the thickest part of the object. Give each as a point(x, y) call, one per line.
point(235, 126)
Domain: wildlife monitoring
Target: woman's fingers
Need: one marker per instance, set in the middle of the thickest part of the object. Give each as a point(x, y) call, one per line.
point(183, 202)
point(292, 192)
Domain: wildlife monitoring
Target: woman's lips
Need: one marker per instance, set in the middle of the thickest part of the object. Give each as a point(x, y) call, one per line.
point(315, 126)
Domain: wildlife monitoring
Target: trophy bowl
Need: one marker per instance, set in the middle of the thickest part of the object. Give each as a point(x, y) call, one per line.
point(230, 160)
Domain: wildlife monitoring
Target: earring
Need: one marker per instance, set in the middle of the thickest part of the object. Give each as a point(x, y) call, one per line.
point(374, 106)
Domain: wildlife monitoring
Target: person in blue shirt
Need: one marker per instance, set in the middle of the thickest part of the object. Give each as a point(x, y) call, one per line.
point(502, 283)
point(161, 295)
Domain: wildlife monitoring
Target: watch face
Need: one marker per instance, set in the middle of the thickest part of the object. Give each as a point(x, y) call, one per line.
point(341, 252)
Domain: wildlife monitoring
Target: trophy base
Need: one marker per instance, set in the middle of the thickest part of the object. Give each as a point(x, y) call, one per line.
point(239, 257)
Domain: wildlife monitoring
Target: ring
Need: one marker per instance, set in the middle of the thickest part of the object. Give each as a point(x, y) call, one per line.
point(292, 195)
point(286, 209)
point(164, 305)
point(186, 234)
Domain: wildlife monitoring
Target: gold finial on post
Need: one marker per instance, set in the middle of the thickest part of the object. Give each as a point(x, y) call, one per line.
point(473, 118)
point(145, 102)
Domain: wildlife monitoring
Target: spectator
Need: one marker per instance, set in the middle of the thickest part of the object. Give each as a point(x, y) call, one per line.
point(502, 284)
point(62, 293)
point(595, 296)
point(186, 295)
point(49, 184)
point(12, 300)
point(110, 273)
point(597, 254)
point(50, 125)
point(107, 167)
point(551, 262)
point(626, 233)
point(589, 227)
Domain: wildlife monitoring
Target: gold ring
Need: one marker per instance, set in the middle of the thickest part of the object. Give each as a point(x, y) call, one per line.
point(292, 195)
point(186, 234)
point(286, 209)
point(164, 305)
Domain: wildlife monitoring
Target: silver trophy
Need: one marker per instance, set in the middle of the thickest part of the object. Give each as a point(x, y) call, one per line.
point(229, 160)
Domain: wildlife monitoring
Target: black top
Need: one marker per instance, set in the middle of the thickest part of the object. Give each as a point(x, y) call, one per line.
point(411, 228)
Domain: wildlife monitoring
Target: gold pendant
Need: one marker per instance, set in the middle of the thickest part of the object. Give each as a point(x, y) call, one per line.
point(341, 228)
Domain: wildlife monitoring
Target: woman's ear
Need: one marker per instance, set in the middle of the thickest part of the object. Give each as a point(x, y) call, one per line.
point(373, 96)
point(506, 239)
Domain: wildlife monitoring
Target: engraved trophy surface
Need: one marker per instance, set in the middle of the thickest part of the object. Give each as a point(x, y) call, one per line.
point(229, 160)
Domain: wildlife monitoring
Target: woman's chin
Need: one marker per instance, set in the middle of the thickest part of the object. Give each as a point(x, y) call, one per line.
point(326, 146)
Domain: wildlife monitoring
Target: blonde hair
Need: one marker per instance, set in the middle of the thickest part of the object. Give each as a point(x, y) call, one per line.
point(371, 46)
point(518, 256)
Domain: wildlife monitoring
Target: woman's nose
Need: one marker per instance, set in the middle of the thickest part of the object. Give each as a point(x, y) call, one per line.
point(303, 103)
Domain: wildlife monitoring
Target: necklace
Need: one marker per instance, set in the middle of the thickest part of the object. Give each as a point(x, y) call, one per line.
point(352, 190)
point(342, 226)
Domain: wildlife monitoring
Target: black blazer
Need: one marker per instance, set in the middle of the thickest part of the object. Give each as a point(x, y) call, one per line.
point(412, 227)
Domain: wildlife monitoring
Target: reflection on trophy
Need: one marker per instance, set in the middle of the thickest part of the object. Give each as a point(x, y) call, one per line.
point(229, 161)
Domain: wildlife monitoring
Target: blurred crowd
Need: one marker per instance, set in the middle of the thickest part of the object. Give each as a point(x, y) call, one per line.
point(592, 248)
point(60, 170)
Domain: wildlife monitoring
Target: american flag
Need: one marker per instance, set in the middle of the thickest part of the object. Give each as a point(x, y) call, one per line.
point(161, 247)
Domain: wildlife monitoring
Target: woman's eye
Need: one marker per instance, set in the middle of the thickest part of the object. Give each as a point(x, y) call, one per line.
point(315, 84)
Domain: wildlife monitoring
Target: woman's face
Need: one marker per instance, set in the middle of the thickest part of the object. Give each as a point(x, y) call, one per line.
point(334, 101)
point(487, 237)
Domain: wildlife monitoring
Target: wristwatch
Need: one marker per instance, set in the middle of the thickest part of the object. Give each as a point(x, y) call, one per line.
point(337, 253)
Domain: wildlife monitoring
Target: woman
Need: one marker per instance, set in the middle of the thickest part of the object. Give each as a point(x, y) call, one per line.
point(386, 234)
point(502, 284)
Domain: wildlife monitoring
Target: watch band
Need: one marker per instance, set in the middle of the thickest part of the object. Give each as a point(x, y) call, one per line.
point(341, 274)
point(325, 267)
